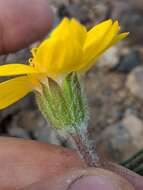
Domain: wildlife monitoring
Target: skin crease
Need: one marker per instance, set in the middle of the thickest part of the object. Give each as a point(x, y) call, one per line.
point(25, 162)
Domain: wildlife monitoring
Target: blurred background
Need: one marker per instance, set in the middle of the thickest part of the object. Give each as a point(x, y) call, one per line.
point(114, 85)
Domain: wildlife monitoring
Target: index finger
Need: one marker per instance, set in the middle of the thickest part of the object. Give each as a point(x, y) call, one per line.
point(23, 22)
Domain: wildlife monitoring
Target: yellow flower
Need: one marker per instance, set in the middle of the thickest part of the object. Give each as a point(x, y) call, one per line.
point(70, 47)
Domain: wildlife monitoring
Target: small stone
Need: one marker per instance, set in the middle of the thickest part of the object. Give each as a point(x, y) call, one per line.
point(120, 141)
point(21, 56)
point(135, 82)
point(135, 127)
point(131, 19)
point(137, 4)
point(110, 58)
point(2, 59)
point(18, 132)
point(46, 134)
point(128, 62)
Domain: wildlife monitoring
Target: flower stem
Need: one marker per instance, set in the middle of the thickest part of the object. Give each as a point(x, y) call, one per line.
point(86, 147)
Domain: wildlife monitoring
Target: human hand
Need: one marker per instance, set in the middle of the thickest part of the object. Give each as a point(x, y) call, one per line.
point(23, 22)
point(31, 165)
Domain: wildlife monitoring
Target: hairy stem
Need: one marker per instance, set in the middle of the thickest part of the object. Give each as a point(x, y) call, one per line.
point(86, 147)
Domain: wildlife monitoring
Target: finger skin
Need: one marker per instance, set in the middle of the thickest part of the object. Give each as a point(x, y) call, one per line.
point(82, 178)
point(22, 22)
point(24, 162)
point(132, 177)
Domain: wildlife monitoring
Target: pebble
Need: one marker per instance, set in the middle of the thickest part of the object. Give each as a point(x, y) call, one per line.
point(121, 140)
point(18, 132)
point(135, 82)
point(128, 62)
point(21, 56)
point(110, 58)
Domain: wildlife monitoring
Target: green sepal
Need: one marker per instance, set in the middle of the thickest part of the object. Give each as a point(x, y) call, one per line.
point(63, 105)
point(52, 104)
point(75, 98)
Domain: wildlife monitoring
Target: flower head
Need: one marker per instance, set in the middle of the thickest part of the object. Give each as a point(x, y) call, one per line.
point(69, 48)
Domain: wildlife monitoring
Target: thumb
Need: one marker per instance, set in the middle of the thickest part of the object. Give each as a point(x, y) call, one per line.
point(86, 179)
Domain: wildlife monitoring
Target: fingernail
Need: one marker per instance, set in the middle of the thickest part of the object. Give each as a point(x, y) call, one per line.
point(99, 179)
point(95, 183)
point(86, 179)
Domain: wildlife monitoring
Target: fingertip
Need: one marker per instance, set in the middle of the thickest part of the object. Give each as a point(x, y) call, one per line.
point(87, 179)
point(103, 181)
point(26, 21)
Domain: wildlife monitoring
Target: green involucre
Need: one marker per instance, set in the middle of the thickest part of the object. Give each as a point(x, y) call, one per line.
point(64, 106)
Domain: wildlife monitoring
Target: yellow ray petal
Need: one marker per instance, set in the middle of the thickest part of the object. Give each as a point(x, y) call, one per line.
point(94, 39)
point(13, 90)
point(97, 33)
point(112, 33)
point(119, 38)
point(94, 53)
point(62, 29)
point(108, 38)
point(16, 69)
point(58, 56)
point(78, 31)
point(41, 54)
point(63, 40)
point(115, 40)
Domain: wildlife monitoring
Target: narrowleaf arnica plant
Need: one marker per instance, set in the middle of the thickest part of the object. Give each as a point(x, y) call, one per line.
point(54, 74)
